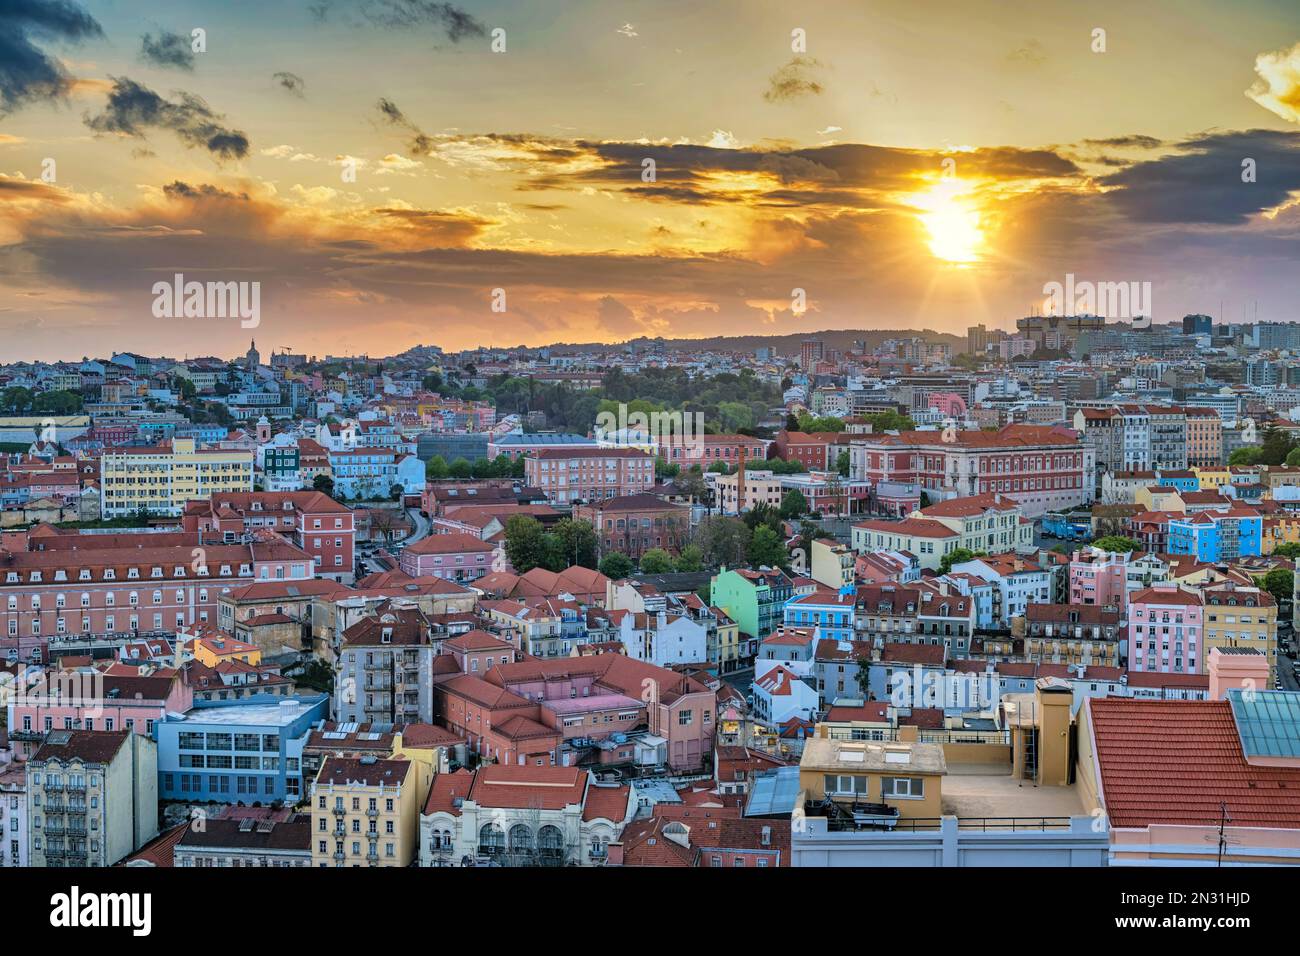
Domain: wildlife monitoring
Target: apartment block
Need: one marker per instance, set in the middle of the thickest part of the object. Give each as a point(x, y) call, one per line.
point(161, 480)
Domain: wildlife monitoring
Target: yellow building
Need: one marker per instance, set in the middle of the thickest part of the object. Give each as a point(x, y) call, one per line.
point(832, 564)
point(1241, 617)
point(219, 650)
point(365, 811)
point(161, 480)
point(728, 641)
point(761, 487)
point(1212, 477)
point(1159, 498)
point(905, 775)
point(1281, 528)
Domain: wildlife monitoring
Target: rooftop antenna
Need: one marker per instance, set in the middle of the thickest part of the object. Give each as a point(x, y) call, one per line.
point(1224, 819)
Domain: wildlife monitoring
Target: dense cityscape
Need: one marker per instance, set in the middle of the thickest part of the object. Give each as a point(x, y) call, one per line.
point(447, 442)
point(829, 601)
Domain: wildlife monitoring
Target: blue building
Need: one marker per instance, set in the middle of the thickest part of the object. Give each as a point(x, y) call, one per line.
point(1214, 537)
point(832, 612)
point(248, 751)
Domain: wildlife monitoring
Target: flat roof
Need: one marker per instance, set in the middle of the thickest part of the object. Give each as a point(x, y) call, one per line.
point(848, 756)
point(266, 715)
point(983, 790)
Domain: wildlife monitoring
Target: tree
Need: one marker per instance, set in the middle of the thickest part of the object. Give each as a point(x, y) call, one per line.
point(793, 504)
point(396, 491)
point(722, 540)
point(384, 521)
point(690, 559)
point(1293, 458)
point(577, 541)
point(1117, 544)
point(435, 468)
point(323, 483)
point(1246, 455)
point(823, 423)
point(1279, 582)
point(460, 468)
point(720, 468)
point(958, 557)
point(691, 484)
point(835, 491)
point(842, 461)
point(482, 468)
point(863, 676)
point(1289, 550)
point(766, 549)
point(616, 565)
point(762, 514)
point(656, 561)
point(1278, 444)
point(890, 421)
point(525, 542)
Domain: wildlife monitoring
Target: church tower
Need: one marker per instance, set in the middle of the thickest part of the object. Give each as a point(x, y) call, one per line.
point(252, 358)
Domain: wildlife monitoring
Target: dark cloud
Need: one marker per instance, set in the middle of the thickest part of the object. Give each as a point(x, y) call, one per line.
point(687, 173)
point(452, 21)
point(1132, 141)
point(168, 50)
point(292, 82)
point(419, 144)
point(183, 190)
point(133, 109)
point(27, 73)
point(1201, 182)
point(793, 81)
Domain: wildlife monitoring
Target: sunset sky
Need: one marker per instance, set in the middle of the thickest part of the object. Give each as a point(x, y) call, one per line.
point(821, 170)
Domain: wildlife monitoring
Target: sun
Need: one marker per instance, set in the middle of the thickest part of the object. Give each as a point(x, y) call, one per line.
point(954, 226)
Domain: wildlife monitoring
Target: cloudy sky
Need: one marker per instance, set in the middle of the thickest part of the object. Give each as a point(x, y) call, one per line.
point(670, 168)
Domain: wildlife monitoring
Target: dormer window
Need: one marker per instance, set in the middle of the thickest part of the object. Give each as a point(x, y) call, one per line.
point(178, 571)
point(83, 574)
point(36, 576)
point(110, 574)
point(133, 573)
point(156, 573)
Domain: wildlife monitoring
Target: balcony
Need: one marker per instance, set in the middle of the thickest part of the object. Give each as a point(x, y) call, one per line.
point(339, 811)
point(372, 812)
point(340, 831)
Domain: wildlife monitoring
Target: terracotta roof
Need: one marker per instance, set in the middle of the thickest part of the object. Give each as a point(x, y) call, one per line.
point(1175, 762)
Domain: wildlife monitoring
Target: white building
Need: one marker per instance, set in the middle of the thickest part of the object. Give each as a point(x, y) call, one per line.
point(509, 815)
point(664, 639)
point(780, 694)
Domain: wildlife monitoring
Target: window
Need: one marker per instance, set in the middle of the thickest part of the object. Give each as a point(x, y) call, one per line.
point(845, 784)
point(908, 788)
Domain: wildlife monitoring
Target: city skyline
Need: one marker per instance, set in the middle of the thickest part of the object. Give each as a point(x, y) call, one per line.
point(791, 151)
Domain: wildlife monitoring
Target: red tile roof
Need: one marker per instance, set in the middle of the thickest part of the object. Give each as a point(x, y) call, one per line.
point(1176, 761)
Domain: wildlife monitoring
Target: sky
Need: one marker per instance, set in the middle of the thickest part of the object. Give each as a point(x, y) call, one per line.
point(401, 172)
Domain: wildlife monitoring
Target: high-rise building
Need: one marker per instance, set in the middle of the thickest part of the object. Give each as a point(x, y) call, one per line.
point(810, 352)
point(1198, 325)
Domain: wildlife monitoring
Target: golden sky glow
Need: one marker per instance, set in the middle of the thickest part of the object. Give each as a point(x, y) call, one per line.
point(381, 176)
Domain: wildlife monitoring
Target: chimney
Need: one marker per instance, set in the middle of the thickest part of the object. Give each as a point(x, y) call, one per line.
point(1236, 668)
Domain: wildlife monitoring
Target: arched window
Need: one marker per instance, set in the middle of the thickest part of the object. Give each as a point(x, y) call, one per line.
point(550, 844)
point(491, 840)
point(521, 839)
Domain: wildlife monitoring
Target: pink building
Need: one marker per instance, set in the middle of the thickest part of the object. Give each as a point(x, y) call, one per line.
point(453, 556)
point(87, 699)
point(1164, 630)
point(120, 585)
point(569, 475)
point(948, 404)
point(672, 706)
